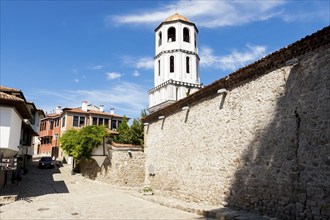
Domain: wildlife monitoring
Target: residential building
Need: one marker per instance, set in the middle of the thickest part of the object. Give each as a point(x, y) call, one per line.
point(49, 135)
point(19, 120)
point(61, 120)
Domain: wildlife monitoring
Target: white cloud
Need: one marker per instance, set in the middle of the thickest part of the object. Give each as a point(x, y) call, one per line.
point(76, 80)
point(145, 63)
point(113, 75)
point(232, 61)
point(98, 67)
point(136, 73)
point(206, 13)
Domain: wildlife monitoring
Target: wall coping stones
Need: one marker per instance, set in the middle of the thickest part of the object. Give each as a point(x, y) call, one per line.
point(263, 66)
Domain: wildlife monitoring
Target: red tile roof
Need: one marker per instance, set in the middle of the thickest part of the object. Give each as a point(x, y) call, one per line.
point(5, 96)
point(18, 103)
point(4, 88)
point(119, 145)
point(79, 110)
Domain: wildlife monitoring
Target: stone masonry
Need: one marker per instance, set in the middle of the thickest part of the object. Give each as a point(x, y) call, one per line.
point(263, 146)
point(123, 166)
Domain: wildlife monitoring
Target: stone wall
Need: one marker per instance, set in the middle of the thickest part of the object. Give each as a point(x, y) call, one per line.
point(264, 146)
point(121, 167)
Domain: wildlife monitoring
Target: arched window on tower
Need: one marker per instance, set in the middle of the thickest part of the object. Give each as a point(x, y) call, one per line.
point(195, 40)
point(171, 64)
point(187, 65)
point(171, 34)
point(160, 38)
point(158, 67)
point(186, 36)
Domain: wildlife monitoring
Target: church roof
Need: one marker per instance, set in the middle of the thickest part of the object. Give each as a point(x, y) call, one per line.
point(177, 16)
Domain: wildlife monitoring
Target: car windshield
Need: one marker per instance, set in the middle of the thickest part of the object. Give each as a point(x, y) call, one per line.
point(46, 159)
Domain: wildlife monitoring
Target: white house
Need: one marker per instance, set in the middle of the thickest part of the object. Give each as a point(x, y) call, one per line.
point(19, 123)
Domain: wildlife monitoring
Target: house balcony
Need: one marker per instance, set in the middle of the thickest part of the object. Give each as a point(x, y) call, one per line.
point(46, 133)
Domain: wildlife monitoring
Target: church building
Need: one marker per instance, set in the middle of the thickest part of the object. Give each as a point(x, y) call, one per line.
point(176, 65)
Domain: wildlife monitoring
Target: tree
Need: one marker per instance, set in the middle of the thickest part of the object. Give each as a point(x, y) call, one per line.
point(124, 136)
point(69, 140)
point(137, 132)
point(80, 143)
point(131, 134)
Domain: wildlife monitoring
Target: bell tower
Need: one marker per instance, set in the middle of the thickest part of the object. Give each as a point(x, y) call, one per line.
point(176, 65)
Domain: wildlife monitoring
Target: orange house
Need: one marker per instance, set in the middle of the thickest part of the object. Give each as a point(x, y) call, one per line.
point(49, 135)
point(55, 124)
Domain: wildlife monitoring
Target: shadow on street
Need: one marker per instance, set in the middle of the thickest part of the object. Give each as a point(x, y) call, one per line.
point(36, 182)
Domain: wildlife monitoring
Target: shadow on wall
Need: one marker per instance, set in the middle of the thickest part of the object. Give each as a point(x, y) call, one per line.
point(91, 169)
point(285, 171)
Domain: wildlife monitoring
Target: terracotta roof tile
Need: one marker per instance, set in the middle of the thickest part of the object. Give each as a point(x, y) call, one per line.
point(79, 110)
point(4, 88)
point(119, 145)
point(18, 103)
point(5, 96)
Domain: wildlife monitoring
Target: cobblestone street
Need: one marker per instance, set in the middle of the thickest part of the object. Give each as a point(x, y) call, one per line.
point(56, 194)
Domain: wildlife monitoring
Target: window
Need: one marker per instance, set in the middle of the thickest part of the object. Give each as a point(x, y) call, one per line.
point(82, 121)
point(100, 121)
point(63, 122)
point(57, 121)
point(195, 40)
point(75, 121)
point(106, 122)
point(171, 64)
point(160, 38)
point(158, 67)
point(186, 37)
point(113, 124)
point(187, 65)
point(171, 34)
point(51, 125)
point(94, 121)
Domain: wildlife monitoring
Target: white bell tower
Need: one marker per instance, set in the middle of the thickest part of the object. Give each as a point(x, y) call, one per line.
point(176, 67)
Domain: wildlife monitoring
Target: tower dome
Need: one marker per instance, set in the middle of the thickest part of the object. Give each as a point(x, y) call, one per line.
point(175, 17)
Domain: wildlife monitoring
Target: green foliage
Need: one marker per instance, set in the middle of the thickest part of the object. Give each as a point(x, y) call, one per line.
point(137, 132)
point(131, 134)
point(69, 140)
point(80, 143)
point(125, 134)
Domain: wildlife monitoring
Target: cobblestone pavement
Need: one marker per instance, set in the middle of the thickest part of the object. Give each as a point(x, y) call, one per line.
point(56, 194)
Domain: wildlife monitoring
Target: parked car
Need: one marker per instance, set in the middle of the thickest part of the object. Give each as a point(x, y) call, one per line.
point(45, 162)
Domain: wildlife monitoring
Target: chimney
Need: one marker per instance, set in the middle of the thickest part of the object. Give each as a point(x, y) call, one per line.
point(102, 108)
point(58, 110)
point(84, 106)
point(112, 111)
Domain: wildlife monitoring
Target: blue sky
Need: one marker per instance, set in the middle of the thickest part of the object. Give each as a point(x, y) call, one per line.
point(62, 52)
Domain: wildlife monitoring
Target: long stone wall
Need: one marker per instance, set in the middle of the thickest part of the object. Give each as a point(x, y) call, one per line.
point(121, 167)
point(263, 146)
